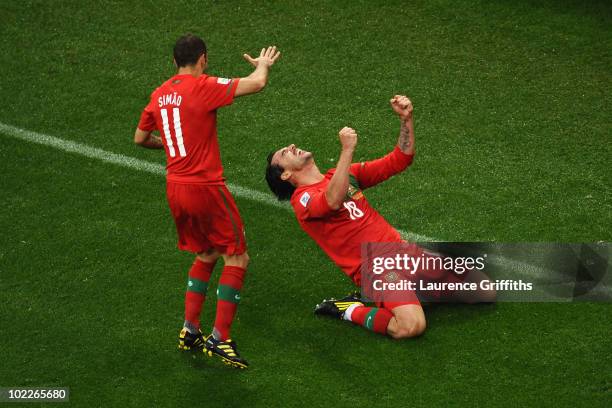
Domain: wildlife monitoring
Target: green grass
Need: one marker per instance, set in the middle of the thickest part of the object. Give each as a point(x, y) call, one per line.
point(513, 133)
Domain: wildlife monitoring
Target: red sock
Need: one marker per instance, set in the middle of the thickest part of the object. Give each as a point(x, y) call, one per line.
point(199, 275)
point(372, 318)
point(228, 297)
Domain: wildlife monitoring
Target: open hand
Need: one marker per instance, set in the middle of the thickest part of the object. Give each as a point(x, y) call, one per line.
point(267, 56)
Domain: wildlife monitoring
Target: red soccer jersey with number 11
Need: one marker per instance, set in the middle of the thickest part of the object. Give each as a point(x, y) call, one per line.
point(184, 110)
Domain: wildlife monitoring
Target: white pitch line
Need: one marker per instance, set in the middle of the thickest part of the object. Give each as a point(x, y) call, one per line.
point(149, 167)
point(239, 191)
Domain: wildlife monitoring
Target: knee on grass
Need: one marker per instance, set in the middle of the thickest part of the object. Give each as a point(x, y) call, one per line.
point(482, 296)
point(487, 296)
point(408, 328)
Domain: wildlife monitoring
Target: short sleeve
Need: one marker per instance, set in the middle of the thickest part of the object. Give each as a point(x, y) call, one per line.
point(147, 119)
point(311, 204)
point(217, 92)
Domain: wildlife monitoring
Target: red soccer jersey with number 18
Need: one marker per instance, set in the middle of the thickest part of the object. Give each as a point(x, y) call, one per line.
point(341, 232)
point(184, 110)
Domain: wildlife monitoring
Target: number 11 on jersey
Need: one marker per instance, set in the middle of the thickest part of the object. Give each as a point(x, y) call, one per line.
point(177, 132)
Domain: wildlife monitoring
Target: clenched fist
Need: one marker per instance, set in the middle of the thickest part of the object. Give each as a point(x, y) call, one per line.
point(348, 138)
point(402, 106)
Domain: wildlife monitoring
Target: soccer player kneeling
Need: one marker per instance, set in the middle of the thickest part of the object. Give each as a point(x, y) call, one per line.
point(333, 210)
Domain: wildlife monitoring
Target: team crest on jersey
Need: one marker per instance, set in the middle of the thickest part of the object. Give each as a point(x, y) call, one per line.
point(223, 81)
point(304, 199)
point(354, 192)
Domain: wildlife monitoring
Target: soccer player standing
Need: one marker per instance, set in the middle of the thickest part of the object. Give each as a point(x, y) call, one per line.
point(184, 110)
point(333, 210)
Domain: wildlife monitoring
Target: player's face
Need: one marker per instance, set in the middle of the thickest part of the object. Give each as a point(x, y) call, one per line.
point(291, 158)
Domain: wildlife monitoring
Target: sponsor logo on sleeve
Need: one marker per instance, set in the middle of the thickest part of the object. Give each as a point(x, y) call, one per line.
point(304, 199)
point(223, 81)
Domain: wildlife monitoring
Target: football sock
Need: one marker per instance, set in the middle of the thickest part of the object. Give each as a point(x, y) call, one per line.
point(197, 284)
point(372, 318)
point(191, 327)
point(228, 297)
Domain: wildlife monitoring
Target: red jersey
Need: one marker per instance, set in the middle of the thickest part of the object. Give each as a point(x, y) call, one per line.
point(341, 232)
point(184, 109)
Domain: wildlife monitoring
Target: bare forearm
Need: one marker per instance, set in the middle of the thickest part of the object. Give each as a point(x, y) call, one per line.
point(338, 185)
point(152, 142)
point(255, 82)
point(406, 137)
point(260, 74)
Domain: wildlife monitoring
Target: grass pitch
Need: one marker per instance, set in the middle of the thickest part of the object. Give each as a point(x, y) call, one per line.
point(512, 109)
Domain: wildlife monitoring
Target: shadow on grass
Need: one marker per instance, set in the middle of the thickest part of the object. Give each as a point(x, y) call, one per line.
point(444, 317)
point(215, 383)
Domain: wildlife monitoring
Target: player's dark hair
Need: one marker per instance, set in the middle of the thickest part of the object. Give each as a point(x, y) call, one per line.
point(188, 49)
point(282, 189)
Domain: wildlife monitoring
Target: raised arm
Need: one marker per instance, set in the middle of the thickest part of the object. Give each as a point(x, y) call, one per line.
point(259, 77)
point(403, 107)
point(376, 171)
point(338, 185)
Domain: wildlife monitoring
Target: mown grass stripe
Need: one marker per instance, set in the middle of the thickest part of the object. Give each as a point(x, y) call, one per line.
point(519, 268)
point(149, 167)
